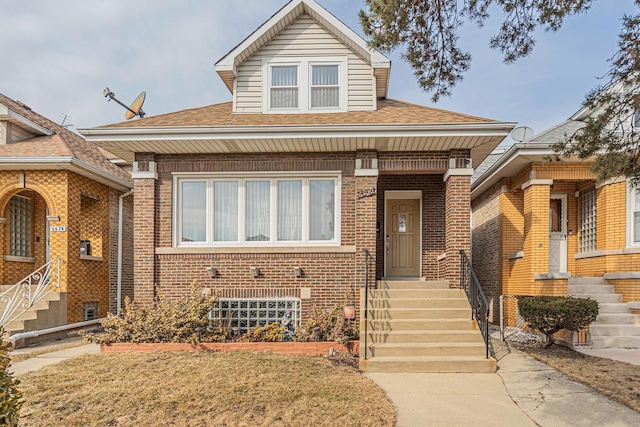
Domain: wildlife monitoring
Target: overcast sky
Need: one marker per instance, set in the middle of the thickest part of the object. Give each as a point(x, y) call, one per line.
point(58, 56)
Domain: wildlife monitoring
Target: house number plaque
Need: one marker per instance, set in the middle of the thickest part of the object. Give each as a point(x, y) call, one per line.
point(58, 228)
point(367, 193)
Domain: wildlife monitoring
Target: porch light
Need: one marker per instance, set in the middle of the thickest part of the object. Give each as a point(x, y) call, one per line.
point(255, 272)
point(213, 272)
point(297, 271)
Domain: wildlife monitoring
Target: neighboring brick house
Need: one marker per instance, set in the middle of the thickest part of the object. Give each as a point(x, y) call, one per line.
point(541, 224)
point(277, 194)
point(56, 190)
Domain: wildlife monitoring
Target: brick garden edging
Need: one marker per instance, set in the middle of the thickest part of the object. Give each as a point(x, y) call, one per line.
point(289, 348)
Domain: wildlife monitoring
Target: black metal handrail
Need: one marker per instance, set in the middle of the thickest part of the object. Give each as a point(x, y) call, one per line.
point(366, 299)
point(478, 300)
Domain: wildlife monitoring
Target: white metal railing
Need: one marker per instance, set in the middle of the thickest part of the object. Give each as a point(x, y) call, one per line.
point(23, 295)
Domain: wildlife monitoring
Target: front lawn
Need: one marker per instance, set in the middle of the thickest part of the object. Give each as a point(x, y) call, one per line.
point(201, 389)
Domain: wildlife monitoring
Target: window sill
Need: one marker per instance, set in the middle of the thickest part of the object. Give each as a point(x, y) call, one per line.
point(256, 250)
point(13, 258)
point(91, 258)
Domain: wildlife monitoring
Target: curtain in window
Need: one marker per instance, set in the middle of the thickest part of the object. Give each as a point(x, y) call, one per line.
point(225, 211)
point(321, 209)
point(325, 89)
point(194, 215)
point(289, 210)
point(284, 87)
point(257, 221)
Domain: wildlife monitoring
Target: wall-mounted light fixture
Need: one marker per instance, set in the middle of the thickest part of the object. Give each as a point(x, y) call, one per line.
point(255, 272)
point(213, 272)
point(297, 271)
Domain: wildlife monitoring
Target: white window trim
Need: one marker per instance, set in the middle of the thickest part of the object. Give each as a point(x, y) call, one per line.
point(631, 194)
point(304, 82)
point(274, 177)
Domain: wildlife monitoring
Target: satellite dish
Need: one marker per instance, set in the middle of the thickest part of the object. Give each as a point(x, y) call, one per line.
point(135, 109)
point(522, 133)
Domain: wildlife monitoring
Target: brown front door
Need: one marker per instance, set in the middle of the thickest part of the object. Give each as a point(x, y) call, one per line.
point(402, 253)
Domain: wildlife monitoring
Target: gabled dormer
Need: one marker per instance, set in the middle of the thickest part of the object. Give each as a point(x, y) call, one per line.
point(304, 60)
point(15, 127)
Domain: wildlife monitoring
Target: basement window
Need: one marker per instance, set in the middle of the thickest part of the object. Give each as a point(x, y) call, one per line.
point(243, 314)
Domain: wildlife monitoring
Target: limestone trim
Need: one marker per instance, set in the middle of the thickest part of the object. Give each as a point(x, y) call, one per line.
point(607, 252)
point(91, 258)
point(621, 276)
point(551, 276)
point(255, 250)
point(516, 255)
point(457, 172)
point(537, 182)
point(13, 258)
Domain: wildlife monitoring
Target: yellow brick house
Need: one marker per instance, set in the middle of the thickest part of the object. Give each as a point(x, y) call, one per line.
point(62, 203)
point(547, 226)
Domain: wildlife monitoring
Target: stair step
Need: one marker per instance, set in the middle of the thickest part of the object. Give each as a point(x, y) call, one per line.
point(587, 281)
point(418, 303)
point(421, 324)
point(419, 313)
point(602, 298)
point(407, 336)
point(613, 307)
point(616, 341)
point(600, 330)
point(412, 284)
point(590, 289)
point(467, 364)
point(617, 318)
point(428, 349)
point(416, 293)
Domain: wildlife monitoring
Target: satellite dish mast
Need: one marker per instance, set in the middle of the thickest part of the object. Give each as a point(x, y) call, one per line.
point(135, 109)
point(522, 133)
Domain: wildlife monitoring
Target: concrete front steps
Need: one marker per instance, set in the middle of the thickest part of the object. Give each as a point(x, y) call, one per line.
point(47, 312)
point(421, 326)
point(615, 326)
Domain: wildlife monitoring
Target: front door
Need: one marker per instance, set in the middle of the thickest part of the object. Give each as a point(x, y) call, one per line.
point(558, 233)
point(402, 240)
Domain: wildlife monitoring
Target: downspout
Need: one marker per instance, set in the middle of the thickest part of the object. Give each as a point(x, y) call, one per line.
point(119, 280)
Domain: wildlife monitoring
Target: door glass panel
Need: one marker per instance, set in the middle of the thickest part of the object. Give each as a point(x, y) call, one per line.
point(402, 223)
point(555, 215)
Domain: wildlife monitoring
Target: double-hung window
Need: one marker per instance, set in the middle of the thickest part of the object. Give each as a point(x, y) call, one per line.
point(305, 84)
point(230, 209)
point(633, 215)
point(20, 228)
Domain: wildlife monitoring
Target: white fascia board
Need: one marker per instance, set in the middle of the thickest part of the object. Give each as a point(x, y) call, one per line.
point(276, 132)
point(519, 155)
point(227, 62)
point(28, 123)
point(67, 163)
point(4, 111)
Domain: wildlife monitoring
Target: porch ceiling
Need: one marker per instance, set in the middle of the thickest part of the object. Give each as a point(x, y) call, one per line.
point(124, 143)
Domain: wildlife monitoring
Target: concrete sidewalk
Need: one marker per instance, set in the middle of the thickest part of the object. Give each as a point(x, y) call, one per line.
point(55, 356)
point(525, 392)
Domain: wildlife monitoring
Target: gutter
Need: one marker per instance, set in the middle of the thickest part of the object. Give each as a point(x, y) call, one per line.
point(119, 281)
point(33, 334)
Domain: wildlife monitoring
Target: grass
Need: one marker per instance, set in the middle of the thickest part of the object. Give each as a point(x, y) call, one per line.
point(617, 380)
point(201, 388)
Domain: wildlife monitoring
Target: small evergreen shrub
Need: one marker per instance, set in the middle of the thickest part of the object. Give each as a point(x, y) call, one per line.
point(551, 314)
point(10, 396)
point(273, 332)
point(328, 325)
point(184, 320)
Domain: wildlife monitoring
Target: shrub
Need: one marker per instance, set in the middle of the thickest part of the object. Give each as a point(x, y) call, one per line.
point(10, 396)
point(328, 325)
point(182, 320)
point(551, 314)
point(272, 332)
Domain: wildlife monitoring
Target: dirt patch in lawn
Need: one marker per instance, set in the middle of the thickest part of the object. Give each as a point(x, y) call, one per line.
point(202, 388)
point(618, 380)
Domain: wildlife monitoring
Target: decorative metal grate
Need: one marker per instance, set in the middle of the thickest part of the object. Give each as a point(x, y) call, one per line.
point(243, 314)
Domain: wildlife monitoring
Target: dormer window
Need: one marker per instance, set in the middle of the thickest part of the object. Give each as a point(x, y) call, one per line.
point(304, 85)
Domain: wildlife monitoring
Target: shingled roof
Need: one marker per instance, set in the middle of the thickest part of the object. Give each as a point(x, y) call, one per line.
point(61, 143)
point(389, 112)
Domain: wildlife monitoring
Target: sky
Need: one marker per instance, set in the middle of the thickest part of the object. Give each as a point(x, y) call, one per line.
point(58, 56)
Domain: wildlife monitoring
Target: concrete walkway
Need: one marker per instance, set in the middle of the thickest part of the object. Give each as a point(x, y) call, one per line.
point(525, 392)
point(50, 358)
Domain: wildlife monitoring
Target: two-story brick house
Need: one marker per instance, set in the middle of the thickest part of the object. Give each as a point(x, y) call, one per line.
point(278, 193)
